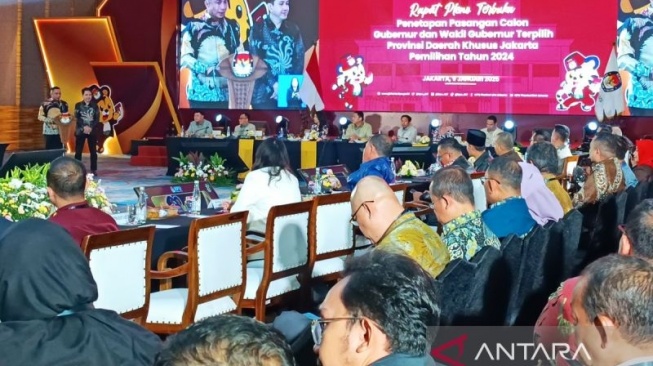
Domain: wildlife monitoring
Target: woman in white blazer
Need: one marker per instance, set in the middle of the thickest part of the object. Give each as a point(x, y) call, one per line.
point(270, 183)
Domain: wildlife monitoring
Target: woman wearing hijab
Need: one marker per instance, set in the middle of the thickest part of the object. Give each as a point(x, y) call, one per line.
point(46, 306)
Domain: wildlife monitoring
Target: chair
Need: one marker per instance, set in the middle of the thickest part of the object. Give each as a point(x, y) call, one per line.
point(400, 191)
point(215, 270)
point(455, 281)
point(635, 196)
point(571, 232)
point(332, 239)
point(120, 264)
point(568, 165)
point(260, 126)
point(285, 265)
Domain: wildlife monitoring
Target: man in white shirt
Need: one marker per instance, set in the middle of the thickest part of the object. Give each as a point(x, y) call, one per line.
point(359, 130)
point(244, 127)
point(199, 127)
point(560, 139)
point(407, 133)
point(490, 130)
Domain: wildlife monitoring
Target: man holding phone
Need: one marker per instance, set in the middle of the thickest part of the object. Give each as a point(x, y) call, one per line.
point(87, 117)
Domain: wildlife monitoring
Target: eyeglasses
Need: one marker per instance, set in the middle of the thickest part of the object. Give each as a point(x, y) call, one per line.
point(353, 216)
point(486, 179)
point(319, 325)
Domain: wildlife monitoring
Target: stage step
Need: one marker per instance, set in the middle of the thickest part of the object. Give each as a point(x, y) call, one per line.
point(148, 150)
point(149, 161)
point(150, 156)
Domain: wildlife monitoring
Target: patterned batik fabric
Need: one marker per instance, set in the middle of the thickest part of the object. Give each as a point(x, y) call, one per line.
point(282, 50)
point(204, 44)
point(411, 237)
point(466, 235)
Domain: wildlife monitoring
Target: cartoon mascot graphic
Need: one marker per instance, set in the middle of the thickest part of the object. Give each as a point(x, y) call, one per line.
point(582, 82)
point(350, 79)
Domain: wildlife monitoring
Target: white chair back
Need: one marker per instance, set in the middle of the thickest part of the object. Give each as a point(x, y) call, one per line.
point(120, 273)
point(219, 258)
point(480, 202)
point(290, 242)
point(333, 230)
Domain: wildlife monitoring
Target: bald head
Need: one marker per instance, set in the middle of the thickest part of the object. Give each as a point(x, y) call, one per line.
point(374, 207)
point(372, 188)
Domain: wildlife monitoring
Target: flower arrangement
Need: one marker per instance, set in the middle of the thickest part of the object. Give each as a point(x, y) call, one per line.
point(314, 135)
point(195, 167)
point(424, 140)
point(95, 195)
point(23, 194)
point(330, 182)
point(408, 169)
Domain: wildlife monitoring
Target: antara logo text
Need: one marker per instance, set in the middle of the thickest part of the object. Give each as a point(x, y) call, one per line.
point(530, 352)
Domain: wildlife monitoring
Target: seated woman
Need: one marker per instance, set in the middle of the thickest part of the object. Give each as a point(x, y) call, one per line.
point(270, 183)
point(46, 305)
point(607, 178)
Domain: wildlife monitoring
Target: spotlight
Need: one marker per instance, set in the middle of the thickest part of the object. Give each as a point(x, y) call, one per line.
point(344, 124)
point(592, 126)
point(282, 126)
point(589, 132)
point(434, 130)
point(510, 127)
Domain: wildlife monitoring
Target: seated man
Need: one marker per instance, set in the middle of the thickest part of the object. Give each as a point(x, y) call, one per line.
point(621, 153)
point(450, 152)
point(383, 312)
point(508, 213)
point(612, 307)
point(359, 130)
point(199, 127)
point(504, 145)
point(607, 177)
point(476, 150)
point(560, 140)
point(544, 157)
point(407, 133)
point(556, 320)
point(376, 161)
point(383, 220)
point(463, 231)
point(66, 181)
point(244, 127)
point(226, 340)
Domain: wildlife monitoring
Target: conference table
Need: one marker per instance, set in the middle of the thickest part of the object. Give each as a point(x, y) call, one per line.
point(303, 154)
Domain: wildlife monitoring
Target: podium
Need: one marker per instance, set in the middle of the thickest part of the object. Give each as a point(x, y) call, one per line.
point(241, 89)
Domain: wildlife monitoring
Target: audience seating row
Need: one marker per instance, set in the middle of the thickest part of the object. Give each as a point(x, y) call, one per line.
point(304, 243)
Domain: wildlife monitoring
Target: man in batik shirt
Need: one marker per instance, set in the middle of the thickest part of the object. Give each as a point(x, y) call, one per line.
point(50, 128)
point(463, 232)
point(204, 44)
point(278, 42)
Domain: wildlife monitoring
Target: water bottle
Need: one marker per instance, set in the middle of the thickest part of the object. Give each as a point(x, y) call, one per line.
point(183, 132)
point(196, 203)
point(228, 131)
point(394, 169)
point(317, 186)
point(141, 209)
point(280, 134)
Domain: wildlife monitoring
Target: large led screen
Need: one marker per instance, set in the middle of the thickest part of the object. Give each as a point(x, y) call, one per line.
point(242, 54)
point(467, 56)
